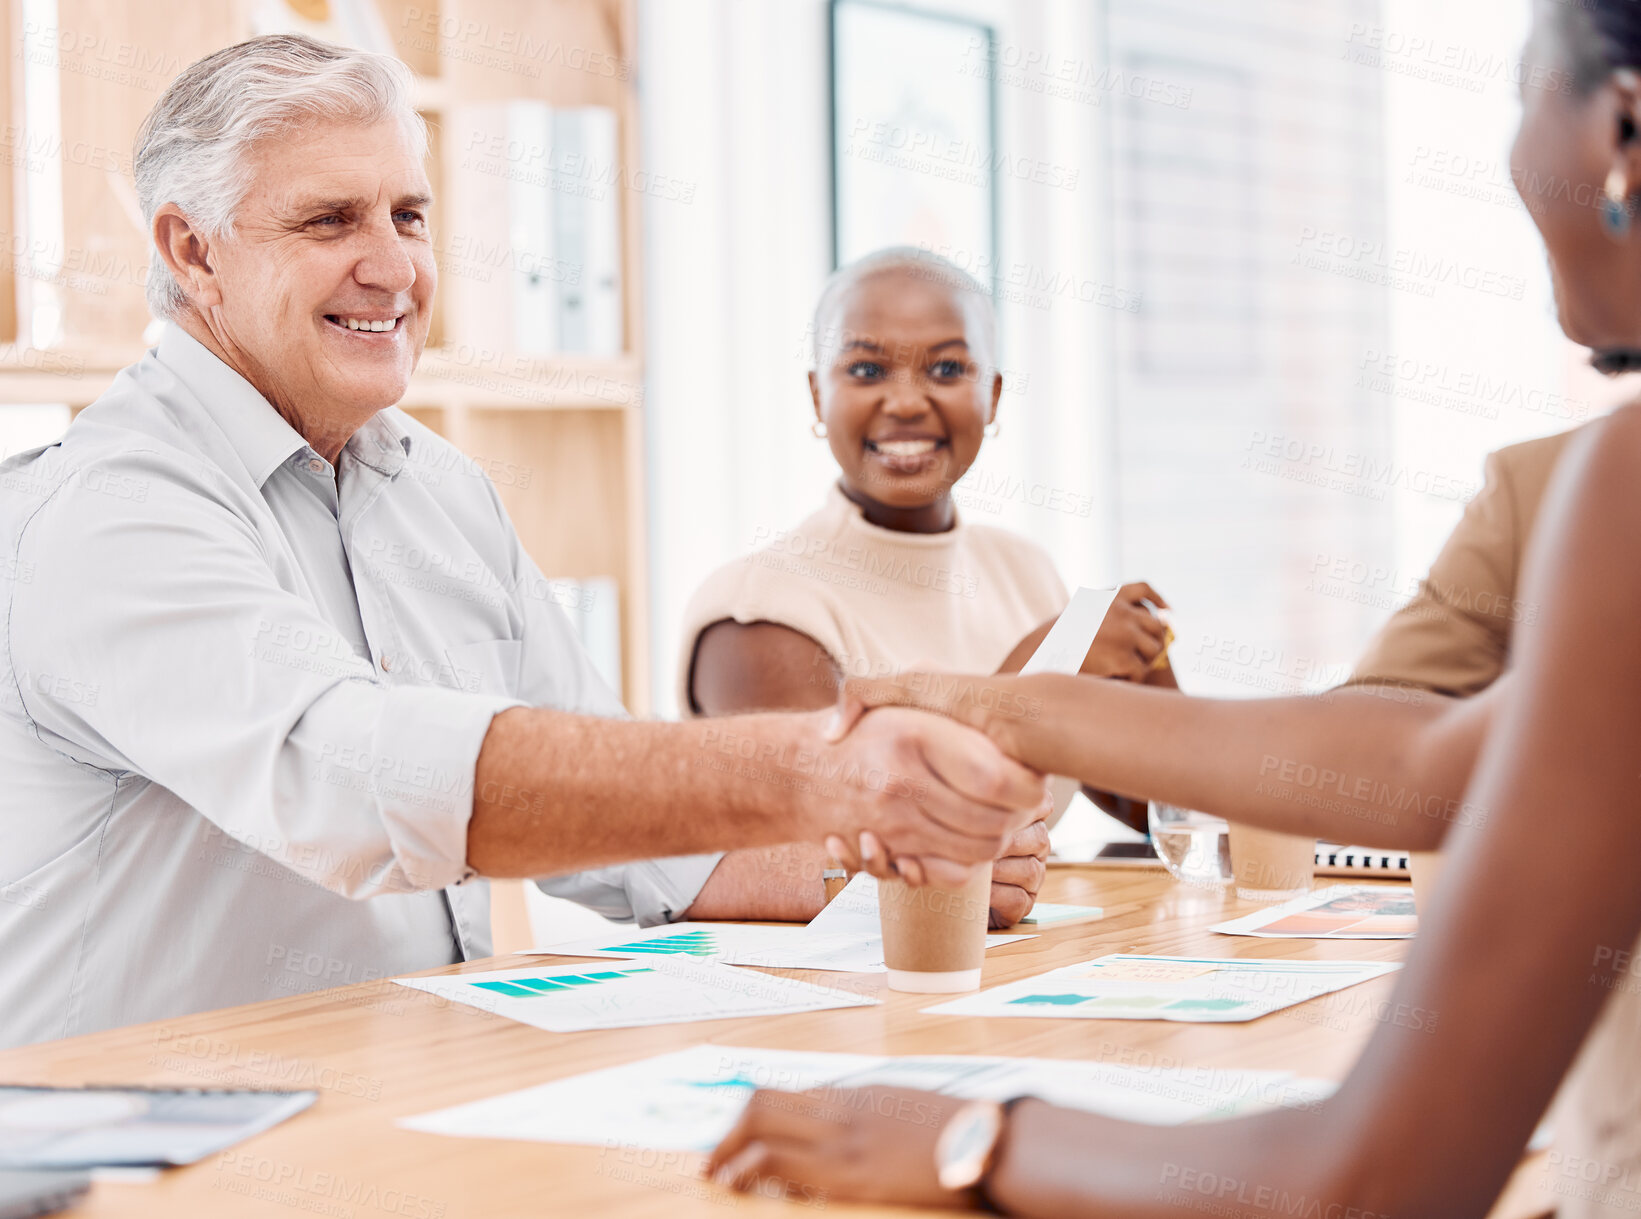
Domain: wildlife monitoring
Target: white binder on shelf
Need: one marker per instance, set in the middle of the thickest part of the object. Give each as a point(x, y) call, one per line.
point(587, 229)
point(535, 271)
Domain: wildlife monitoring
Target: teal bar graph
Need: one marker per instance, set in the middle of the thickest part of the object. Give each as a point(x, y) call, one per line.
point(535, 988)
point(505, 988)
point(694, 943)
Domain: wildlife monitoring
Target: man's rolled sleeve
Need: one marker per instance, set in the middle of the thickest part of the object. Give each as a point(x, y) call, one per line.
point(426, 751)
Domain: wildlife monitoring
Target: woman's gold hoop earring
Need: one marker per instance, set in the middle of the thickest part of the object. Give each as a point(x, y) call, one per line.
point(817, 429)
point(1615, 205)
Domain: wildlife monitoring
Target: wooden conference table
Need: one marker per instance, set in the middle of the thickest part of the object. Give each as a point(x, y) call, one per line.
point(378, 1051)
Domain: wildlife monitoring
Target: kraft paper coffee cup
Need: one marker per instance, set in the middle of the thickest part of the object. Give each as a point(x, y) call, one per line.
point(1267, 866)
point(935, 939)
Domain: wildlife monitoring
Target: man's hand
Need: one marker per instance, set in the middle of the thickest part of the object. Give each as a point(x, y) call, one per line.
point(1016, 877)
point(908, 786)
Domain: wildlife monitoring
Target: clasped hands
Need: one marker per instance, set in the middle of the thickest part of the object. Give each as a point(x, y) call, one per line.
point(974, 803)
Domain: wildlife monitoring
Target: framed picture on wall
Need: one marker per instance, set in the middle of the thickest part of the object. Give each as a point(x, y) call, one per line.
point(914, 125)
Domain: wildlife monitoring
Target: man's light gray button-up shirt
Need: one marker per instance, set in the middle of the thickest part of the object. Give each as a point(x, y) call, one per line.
point(242, 695)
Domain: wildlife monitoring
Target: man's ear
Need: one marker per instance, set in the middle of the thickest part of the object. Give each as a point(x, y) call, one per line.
point(187, 255)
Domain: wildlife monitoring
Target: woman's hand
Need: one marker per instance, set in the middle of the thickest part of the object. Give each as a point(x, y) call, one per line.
point(1016, 877)
point(866, 1145)
point(1132, 637)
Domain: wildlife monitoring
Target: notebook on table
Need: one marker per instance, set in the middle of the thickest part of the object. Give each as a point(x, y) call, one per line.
point(66, 1129)
point(25, 1193)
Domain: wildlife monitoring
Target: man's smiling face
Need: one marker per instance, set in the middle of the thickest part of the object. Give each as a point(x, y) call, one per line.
point(327, 281)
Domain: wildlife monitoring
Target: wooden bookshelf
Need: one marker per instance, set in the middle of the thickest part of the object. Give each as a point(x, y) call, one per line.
point(573, 423)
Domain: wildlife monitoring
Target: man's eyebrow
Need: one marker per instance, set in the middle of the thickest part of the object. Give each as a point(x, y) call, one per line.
point(327, 205)
point(355, 203)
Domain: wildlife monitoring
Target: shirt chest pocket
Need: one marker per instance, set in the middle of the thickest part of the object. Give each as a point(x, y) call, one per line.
point(488, 667)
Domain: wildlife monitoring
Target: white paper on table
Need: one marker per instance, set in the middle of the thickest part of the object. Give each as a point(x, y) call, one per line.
point(854, 912)
point(1339, 912)
point(1196, 990)
point(745, 944)
point(688, 1100)
point(658, 990)
point(1066, 645)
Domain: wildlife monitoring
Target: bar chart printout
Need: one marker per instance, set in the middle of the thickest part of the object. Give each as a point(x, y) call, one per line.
point(662, 990)
point(1192, 989)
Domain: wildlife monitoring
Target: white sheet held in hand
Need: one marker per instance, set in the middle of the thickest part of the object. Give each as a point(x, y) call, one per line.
point(1066, 645)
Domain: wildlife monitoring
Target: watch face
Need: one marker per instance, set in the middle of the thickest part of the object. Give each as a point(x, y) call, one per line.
point(963, 1151)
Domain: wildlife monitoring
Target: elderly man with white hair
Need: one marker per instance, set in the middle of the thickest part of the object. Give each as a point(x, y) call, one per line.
point(237, 730)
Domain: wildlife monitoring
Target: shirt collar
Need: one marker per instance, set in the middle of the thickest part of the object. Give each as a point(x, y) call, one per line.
point(257, 432)
point(382, 443)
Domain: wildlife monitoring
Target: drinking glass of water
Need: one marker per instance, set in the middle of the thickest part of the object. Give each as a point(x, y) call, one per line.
point(1194, 846)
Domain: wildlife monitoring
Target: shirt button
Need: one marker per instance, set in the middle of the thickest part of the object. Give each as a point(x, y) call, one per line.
point(387, 663)
point(317, 466)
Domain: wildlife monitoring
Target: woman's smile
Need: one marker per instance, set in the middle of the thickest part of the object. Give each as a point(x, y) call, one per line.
point(906, 454)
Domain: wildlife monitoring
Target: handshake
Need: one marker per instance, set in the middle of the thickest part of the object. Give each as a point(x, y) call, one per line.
point(905, 780)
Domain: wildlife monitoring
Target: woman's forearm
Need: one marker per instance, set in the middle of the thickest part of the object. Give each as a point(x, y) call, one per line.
point(1351, 764)
point(1054, 1162)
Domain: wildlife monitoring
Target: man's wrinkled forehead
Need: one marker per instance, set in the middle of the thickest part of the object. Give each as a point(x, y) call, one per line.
point(310, 176)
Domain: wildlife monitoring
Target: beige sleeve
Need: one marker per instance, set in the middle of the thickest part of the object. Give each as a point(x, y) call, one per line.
point(757, 588)
point(1453, 636)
